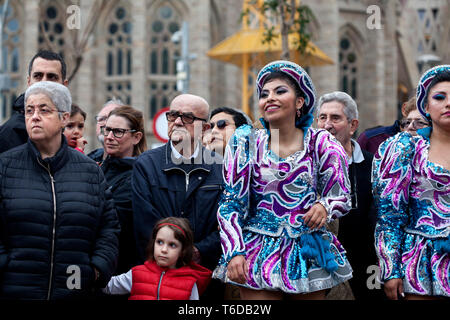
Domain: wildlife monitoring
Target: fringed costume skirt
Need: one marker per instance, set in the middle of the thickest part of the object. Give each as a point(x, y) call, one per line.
point(305, 264)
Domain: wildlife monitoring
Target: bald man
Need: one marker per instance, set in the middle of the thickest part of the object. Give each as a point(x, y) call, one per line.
point(187, 121)
point(179, 179)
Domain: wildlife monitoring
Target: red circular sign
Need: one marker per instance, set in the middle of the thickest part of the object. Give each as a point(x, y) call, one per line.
point(160, 125)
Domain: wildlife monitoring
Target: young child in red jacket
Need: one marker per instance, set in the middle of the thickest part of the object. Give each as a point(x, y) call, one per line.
point(75, 128)
point(169, 273)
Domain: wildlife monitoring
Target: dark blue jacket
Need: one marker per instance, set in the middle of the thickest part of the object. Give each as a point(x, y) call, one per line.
point(163, 189)
point(57, 220)
point(371, 138)
point(118, 176)
point(97, 155)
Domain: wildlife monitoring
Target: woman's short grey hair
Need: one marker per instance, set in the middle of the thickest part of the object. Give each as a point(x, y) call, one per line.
point(58, 93)
point(350, 108)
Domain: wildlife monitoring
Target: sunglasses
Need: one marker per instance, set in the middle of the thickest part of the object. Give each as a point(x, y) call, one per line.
point(186, 118)
point(220, 124)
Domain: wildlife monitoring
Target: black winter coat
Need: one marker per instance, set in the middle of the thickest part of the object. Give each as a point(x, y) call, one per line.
point(118, 176)
point(356, 229)
point(163, 189)
point(57, 222)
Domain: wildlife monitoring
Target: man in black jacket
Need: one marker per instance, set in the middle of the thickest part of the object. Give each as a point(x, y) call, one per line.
point(180, 179)
point(58, 226)
point(44, 66)
point(337, 112)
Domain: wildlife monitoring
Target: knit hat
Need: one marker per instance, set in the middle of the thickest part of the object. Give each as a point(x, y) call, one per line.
point(424, 86)
point(297, 73)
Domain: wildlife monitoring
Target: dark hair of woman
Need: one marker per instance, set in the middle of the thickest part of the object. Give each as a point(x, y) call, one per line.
point(135, 119)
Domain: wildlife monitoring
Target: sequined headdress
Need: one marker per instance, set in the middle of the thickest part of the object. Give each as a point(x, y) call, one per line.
point(424, 86)
point(297, 74)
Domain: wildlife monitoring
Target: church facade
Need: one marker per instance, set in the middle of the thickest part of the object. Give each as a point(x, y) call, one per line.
point(379, 49)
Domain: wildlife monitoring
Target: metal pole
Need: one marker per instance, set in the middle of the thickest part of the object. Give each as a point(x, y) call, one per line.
point(245, 106)
point(2, 27)
point(4, 79)
point(185, 54)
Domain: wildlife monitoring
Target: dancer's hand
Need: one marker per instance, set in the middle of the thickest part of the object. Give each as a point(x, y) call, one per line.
point(316, 217)
point(238, 269)
point(394, 287)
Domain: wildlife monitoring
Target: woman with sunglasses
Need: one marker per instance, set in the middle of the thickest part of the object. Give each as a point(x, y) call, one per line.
point(413, 120)
point(124, 140)
point(411, 182)
point(282, 184)
point(224, 121)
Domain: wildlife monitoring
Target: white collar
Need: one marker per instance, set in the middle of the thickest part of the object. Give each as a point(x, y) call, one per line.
point(179, 155)
point(357, 155)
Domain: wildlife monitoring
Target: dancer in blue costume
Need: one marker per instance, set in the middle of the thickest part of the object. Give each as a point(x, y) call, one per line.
point(282, 184)
point(411, 180)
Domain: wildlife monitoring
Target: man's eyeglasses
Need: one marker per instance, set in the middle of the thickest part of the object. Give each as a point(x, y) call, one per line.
point(42, 111)
point(100, 118)
point(220, 124)
point(417, 124)
point(186, 118)
point(117, 132)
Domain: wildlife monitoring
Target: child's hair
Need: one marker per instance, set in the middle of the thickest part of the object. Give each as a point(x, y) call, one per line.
point(76, 109)
point(182, 232)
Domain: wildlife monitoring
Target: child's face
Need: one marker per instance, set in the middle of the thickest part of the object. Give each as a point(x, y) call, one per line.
point(74, 129)
point(167, 249)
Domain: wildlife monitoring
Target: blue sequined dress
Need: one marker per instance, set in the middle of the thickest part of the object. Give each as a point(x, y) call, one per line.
point(412, 195)
point(265, 198)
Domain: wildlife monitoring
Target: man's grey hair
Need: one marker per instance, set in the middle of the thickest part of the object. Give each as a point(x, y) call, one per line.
point(56, 92)
point(114, 101)
point(350, 108)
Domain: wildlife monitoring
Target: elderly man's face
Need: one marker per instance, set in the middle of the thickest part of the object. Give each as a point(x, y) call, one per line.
point(101, 119)
point(180, 131)
point(42, 119)
point(46, 70)
point(332, 118)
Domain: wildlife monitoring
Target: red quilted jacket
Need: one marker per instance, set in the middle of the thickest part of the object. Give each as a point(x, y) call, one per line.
point(151, 282)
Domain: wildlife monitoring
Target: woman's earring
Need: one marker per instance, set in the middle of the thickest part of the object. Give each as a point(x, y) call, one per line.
point(299, 113)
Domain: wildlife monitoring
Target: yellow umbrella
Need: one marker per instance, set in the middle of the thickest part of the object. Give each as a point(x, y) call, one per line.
point(250, 42)
point(246, 48)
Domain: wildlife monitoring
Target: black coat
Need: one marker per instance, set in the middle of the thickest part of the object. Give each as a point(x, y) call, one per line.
point(118, 176)
point(13, 132)
point(356, 229)
point(160, 190)
point(56, 216)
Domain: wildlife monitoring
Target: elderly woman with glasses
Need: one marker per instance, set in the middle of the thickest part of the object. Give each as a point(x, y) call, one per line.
point(124, 140)
point(411, 183)
point(58, 227)
point(413, 120)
